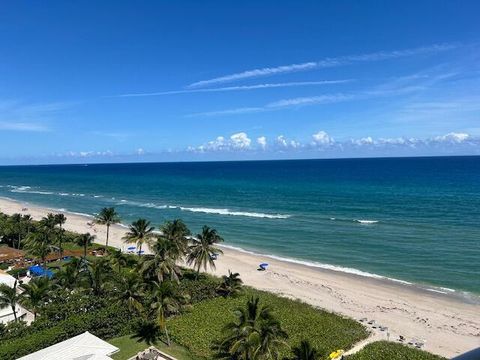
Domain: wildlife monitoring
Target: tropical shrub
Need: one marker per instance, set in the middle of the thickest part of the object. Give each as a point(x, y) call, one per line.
point(106, 323)
point(199, 290)
point(325, 331)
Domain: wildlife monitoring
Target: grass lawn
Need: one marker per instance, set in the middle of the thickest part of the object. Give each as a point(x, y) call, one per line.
point(199, 328)
point(384, 350)
point(130, 347)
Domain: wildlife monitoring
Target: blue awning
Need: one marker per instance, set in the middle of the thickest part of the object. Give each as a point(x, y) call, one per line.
point(37, 270)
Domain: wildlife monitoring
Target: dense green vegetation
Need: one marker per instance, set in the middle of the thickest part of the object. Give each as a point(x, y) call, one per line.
point(391, 351)
point(325, 331)
point(139, 300)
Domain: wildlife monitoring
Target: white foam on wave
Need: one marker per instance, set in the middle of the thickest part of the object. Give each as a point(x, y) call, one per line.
point(22, 191)
point(233, 213)
point(367, 222)
point(315, 264)
point(226, 212)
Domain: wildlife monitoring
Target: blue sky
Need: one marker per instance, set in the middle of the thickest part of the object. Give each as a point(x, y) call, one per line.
point(115, 81)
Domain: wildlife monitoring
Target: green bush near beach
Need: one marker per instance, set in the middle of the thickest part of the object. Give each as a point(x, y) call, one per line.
point(204, 324)
point(384, 350)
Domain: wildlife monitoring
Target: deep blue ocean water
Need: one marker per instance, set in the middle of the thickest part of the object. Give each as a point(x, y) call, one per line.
point(412, 219)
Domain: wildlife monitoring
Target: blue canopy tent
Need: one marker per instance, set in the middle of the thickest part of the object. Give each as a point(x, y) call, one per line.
point(262, 266)
point(37, 270)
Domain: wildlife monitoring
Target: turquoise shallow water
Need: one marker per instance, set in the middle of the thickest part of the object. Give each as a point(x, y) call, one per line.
point(412, 219)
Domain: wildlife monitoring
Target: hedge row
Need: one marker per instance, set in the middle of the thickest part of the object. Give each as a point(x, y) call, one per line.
point(107, 323)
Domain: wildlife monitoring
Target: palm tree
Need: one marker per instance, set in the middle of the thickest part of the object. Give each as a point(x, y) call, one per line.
point(139, 232)
point(9, 297)
point(98, 273)
point(130, 291)
point(178, 233)
point(35, 294)
point(60, 219)
point(16, 228)
point(69, 275)
point(148, 331)
point(162, 263)
point(202, 249)
point(255, 334)
point(107, 217)
point(85, 240)
point(231, 284)
point(38, 244)
point(27, 221)
point(167, 300)
point(118, 259)
point(304, 351)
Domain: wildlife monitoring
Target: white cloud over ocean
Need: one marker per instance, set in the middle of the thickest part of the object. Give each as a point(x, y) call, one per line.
point(324, 63)
point(321, 140)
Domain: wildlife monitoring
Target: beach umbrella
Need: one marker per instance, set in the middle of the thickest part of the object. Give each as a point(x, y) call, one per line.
point(131, 248)
point(263, 264)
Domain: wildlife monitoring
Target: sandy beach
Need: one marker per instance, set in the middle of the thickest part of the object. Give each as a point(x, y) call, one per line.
point(448, 325)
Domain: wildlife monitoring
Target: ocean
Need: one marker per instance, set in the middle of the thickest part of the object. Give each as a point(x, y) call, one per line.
point(416, 220)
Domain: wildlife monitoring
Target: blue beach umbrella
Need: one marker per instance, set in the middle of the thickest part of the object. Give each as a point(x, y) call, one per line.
point(263, 265)
point(131, 248)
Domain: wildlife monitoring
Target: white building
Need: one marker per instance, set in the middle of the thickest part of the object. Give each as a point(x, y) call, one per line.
point(6, 313)
point(84, 346)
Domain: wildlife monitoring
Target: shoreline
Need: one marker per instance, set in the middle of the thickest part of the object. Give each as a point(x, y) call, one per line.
point(448, 324)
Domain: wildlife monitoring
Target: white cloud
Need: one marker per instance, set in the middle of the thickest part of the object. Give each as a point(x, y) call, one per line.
point(328, 62)
point(453, 137)
point(262, 142)
point(388, 89)
point(239, 88)
point(87, 154)
point(140, 151)
point(240, 141)
point(364, 141)
point(323, 141)
point(322, 138)
point(22, 126)
point(284, 143)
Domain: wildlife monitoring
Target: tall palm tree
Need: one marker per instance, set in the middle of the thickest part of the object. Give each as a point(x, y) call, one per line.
point(139, 232)
point(35, 294)
point(27, 221)
point(98, 274)
point(203, 249)
point(177, 232)
point(129, 291)
point(60, 219)
point(231, 284)
point(85, 240)
point(167, 300)
point(118, 259)
point(38, 244)
point(67, 277)
point(107, 217)
point(304, 351)
point(9, 297)
point(162, 263)
point(16, 228)
point(255, 334)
